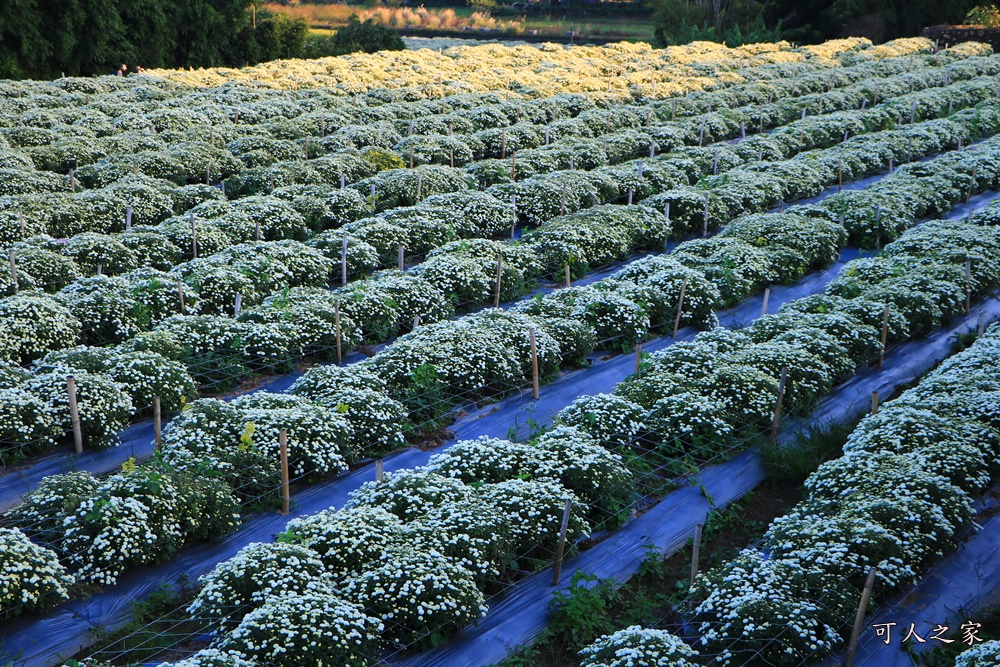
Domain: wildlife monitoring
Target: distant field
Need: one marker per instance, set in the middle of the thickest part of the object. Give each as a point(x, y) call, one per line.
point(324, 18)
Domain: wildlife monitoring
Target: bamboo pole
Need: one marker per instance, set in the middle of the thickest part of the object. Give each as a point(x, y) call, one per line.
point(157, 423)
point(534, 362)
point(859, 620)
point(561, 548)
point(695, 551)
point(336, 324)
point(885, 335)
point(285, 495)
point(777, 403)
point(680, 306)
point(74, 414)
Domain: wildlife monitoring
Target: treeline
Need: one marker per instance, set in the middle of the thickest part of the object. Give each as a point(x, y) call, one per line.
point(805, 21)
point(45, 39)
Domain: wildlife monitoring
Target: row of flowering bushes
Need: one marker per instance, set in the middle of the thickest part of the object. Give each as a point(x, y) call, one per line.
point(116, 308)
point(896, 500)
point(722, 383)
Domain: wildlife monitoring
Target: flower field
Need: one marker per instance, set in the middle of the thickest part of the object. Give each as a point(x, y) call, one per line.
point(410, 238)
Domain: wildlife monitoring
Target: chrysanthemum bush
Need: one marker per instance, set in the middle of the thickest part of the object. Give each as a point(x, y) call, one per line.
point(639, 647)
point(896, 500)
point(420, 596)
point(319, 438)
point(312, 628)
point(31, 578)
point(103, 405)
point(27, 426)
point(348, 540)
point(257, 573)
point(980, 655)
point(211, 657)
point(614, 421)
point(35, 324)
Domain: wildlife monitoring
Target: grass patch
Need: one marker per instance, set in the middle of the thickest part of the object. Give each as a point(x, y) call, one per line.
point(797, 461)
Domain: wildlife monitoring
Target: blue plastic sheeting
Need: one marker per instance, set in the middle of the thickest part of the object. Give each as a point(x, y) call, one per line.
point(66, 630)
point(968, 579)
point(517, 617)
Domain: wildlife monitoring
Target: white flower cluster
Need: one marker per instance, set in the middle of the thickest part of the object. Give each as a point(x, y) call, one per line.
point(638, 647)
point(31, 578)
point(980, 655)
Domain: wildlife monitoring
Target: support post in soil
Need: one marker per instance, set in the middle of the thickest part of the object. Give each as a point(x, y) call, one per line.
point(980, 325)
point(371, 194)
point(968, 286)
point(411, 157)
point(513, 165)
point(420, 185)
point(562, 201)
point(704, 228)
point(885, 335)
point(285, 496)
point(496, 297)
point(13, 269)
point(638, 356)
point(568, 283)
point(343, 261)
point(972, 185)
point(840, 175)
point(630, 192)
point(866, 594)
point(74, 414)
point(680, 306)
point(128, 218)
point(777, 403)
point(256, 231)
point(399, 260)
point(503, 144)
point(194, 238)
point(343, 181)
point(534, 362)
point(874, 402)
point(561, 548)
point(180, 295)
point(157, 423)
point(416, 321)
point(336, 325)
point(380, 471)
point(695, 551)
point(763, 307)
point(237, 305)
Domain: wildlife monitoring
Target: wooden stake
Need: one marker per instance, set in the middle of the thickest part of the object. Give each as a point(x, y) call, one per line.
point(972, 184)
point(885, 334)
point(74, 415)
point(13, 270)
point(638, 356)
point(451, 157)
point(256, 230)
point(343, 262)
point(238, 305)
point(630, 196)
point(561, 548)
point(840, 175)
point(128, 218)
point(503, 144)
point(704, 230)
point(980, 326)
point(777, 403)
point(680, 305)
point(874, 402)
point(416, 321)
point(180, 295)
point(968, 286)
point(420, 185)
point(411, 157)
point(399, 260)
point(763, 308)
point(859, 620)
point(695, 551)
point(194, 237)
point(371, 195)
point(343, 181)
point(336, 325)
point(534, 362)
point(496, 298)
point(285, 496)
point(562, 202)
point(379, 471)
point(157, 423)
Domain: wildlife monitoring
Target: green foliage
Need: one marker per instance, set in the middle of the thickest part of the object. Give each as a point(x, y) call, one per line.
point(88, 37)
point(795, 462)
point(987, 16)
point(580, 612)
point(353, 37)
point(383, 160)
